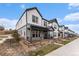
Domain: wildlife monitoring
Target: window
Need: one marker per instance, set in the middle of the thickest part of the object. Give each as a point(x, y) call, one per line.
point(33, 34)
point(39, 34)
point(36, 33)
point(34, 19)
point(45, 23)
point(55, 26)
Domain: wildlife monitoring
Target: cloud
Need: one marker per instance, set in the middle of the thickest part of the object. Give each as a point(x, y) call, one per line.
point(60, 21)
point(8, 23)
point(72, 17)
point(73, 5)
point(22, 6)
point(72, 20)
point(74, 27)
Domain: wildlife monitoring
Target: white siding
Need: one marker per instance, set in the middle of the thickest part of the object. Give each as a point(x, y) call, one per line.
point(21, 22)
point(55, 30)
point(55, 24)
point(35, 13)
point(43, 23)
point(22, 32)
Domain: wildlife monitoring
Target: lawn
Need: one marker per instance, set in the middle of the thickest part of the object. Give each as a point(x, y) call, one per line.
point(48, 48)
point(68, 40)
point(44, 50)
point(65, 42)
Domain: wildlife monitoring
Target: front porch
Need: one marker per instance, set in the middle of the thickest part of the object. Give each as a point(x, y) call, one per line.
point(38, 32)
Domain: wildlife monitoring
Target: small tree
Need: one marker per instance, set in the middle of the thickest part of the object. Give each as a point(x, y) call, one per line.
point(16, 35)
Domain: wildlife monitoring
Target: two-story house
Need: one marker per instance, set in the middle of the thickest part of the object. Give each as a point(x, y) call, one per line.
point(32, 26)
point(66, 33)
point(71, 33)
point(61, 31)
point(55, 26)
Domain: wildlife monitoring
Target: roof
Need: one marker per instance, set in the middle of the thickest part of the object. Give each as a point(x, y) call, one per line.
point(66, 27)
point(36, 27)
point(61, 25)
point(71, 30)
point(53, 20)
point(45, 19)
point(29, 10)
point(32, 9)
point(51, 28)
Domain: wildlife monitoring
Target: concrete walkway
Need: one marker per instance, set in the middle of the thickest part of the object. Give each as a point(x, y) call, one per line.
point(70, 49)
point(3, 38)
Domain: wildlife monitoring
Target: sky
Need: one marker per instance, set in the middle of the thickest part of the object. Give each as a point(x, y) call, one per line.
point(66, 13)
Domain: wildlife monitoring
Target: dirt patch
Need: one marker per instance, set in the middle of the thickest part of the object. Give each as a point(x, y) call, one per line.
point(11, 48)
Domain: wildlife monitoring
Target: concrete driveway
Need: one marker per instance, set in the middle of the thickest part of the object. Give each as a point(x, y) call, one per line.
point(70, 49)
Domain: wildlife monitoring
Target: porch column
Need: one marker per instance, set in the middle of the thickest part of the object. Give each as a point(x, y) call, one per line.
point(30, 34)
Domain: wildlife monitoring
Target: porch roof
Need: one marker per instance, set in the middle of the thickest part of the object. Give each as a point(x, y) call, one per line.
point(36, 27)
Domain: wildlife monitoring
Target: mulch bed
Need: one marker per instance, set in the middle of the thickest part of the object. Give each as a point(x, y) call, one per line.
point(12, 48)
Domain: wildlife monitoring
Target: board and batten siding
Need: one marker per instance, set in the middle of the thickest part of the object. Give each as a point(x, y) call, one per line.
point(43, 23)
point(21, 22)
point(56, 30)
point(22, 32)
point(21, 26)
point(34, 12)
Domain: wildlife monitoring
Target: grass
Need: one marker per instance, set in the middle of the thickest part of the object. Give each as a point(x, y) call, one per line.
point(48, 48)
point(44, 50)
point(68, 40)
point(65, 42)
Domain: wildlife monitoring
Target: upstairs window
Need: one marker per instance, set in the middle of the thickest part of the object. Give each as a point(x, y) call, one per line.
point(55, 26)
point(45, 23)
point(34, 19)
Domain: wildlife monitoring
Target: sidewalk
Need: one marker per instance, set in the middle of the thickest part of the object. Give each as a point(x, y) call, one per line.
point(70, 49)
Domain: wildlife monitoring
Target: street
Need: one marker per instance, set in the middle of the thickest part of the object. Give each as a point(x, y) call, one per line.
point(70, 49)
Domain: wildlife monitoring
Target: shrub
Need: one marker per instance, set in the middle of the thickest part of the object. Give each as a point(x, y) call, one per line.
point(7, 32)
point(16, 35)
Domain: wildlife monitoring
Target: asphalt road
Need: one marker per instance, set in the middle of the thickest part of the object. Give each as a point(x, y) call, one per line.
point(70, 49)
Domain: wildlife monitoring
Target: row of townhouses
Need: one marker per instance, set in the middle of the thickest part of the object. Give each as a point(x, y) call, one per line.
point(32, 26)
